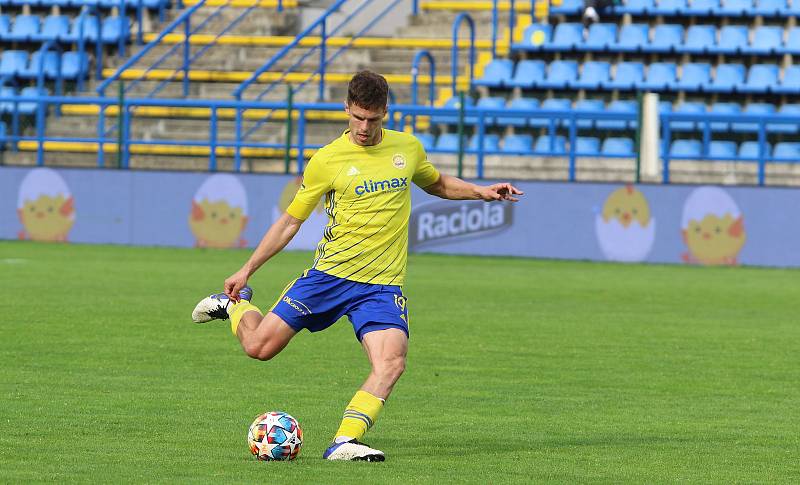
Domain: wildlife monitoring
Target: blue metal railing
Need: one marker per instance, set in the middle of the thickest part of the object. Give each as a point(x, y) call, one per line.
point(455, 49)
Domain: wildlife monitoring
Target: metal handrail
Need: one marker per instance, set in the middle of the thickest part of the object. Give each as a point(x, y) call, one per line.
point(463, 16)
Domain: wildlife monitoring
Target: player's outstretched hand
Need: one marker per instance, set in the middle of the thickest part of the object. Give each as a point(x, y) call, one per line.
point(236, 282)
point(502, 191)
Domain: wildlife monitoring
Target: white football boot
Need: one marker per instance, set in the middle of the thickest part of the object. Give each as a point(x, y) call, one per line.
point(352, 451)
point(215, 307)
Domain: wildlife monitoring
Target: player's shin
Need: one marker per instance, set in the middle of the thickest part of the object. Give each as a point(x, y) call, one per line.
point(359, 416)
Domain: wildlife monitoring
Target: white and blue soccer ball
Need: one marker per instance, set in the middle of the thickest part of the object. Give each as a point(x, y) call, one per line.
point(275, 436)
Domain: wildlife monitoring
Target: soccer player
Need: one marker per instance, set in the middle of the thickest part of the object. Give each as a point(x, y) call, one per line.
point(365, 177)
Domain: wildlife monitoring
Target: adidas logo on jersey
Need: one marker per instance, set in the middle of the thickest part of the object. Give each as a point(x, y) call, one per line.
point(353, 172)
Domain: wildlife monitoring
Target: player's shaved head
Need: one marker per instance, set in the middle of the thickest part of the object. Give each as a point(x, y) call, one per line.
point(368, 90)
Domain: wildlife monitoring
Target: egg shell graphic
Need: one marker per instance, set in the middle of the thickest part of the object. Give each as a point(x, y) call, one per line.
point(44, 186)
point(220, 191)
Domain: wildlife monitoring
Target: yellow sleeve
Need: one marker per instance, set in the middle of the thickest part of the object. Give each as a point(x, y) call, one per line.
point(316, 182)
point(425, 174)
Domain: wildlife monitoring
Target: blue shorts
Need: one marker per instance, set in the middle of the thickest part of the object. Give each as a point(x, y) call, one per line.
point(317, 300)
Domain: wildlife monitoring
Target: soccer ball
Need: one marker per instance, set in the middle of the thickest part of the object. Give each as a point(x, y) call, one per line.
point(275, 436)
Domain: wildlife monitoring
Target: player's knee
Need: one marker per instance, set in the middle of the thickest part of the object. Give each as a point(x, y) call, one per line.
point(391, 368)
point(260, 351)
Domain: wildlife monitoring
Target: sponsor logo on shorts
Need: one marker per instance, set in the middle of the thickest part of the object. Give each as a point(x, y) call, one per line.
point(388, 185)
point(439, 222)
point(297, 305)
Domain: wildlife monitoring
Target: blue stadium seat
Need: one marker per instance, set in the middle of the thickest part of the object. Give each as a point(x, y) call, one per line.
point(112, 30)
point(497, 73)
point(790, 84)
point(519, 104)
point(560, 75)
point(668, 7)
point(532, 40)
point(766, 40)
point(728, 109)
point(794, 9)
point(685, 149)
point(49, 63)
point(491, 143)
point(593, 75)
point(551, 104)
point(787, 151)
point(634, 7)
point(687, 108)
point(90, 33)
point(664, 107)
point(732, 40)
point(735, 8)
point(6, 107)
point(74, 65)
point(24, 29)
point(588, 106)
point(749, 150)
point(702, 8)
point(788, 109)
point(587, 145)
point(617, 146)
point(29, 108)
point(694, 76)
point(529, 74)
point(517, 144)
point(632, 38)
point(666, 38)
point(493, 103)
point(619, 106)
point(753, 109)
point(771, 8)
point(699, 39)
point(447, 142)
point(600, 38)
point(5, 26)
point(55, 27)
point(565, 37)
point(567, 7)
point(660, 76)
point(760, 79)
point(725, 150)
point(426, 139)
point(548, 145)
point(727, 78)
point(628, 76)
point(455, 103)
point(792, 44)
point(12, 63)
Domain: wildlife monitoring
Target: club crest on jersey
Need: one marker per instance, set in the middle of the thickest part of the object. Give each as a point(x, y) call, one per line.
point(399, 161)
point(388, 185)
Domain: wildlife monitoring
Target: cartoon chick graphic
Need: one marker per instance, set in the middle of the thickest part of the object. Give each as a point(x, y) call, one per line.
point(219, 212)
point(712, 228)
point(45, 206)
point(624, 228)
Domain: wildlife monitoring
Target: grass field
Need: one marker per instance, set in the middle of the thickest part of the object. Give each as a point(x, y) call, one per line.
point(519, 371)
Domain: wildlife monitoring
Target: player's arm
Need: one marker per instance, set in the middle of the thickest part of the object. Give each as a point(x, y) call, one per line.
point(449, 187)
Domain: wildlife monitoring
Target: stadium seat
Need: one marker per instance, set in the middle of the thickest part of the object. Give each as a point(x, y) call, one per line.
point(588, 106)
point(447, 142)
point(25, 28)
point(685, 149)
point(593, 75)
point(6, 106)
point(792, 44)
point(587, 145)
point(29, 108)
point(491, 143)
point(518, 104)
point(112, 30)
point(536, 36)
point(668, 7)
point(454, 103)
point(551, 104)
point(5, 26)
point(666, 38)
point(90, 33)
point(628, 76)
point(732, 40)
point(600, 38)
point(619, 107)
point(694, 75)
point(771, 8)
point(493, 103)
point(566, 37)
point(426, 139)
point(634, 7)
point(787, 151)
point(74, 65)
point(787, 128)
point(12, 63)
point(617, 146)
point(734, 8)
point(49, 63)
point(727, 78)
point(517, 144)
point(567, 7)
point(687, 108)
point(699, 39)
point(753, 109)
point(55, 27)
point(702, 8)
point(760, 79)
point(560, 75)
point(660, 76)
point(725, 150)
point(632, 38)
point(548, 145)
point(790, 84)
point(496, 74)
point(766, 40)
point(529, 74)
point(793, 8)
point(749, 150)
point(728, 109)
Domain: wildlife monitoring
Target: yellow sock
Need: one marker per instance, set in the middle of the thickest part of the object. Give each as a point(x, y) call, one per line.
point(238, 310)
point(360, 415)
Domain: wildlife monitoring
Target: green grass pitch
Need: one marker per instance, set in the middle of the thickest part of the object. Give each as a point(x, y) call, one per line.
point(519, 371)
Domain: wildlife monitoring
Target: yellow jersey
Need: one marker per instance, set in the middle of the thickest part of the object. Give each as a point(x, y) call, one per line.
point(368, 201)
